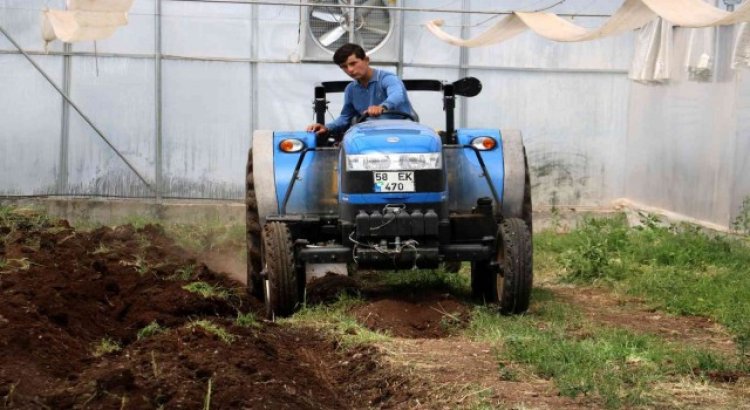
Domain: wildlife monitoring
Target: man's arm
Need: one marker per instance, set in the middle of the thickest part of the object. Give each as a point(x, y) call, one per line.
point(395, 91)
point(347, 113)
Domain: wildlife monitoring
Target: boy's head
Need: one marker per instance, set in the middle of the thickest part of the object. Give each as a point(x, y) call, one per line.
point(353, 60)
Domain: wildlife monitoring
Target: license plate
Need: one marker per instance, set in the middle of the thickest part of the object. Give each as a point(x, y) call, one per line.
point(398, 181)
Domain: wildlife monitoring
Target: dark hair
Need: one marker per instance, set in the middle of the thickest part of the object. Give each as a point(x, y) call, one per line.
point(343, 53)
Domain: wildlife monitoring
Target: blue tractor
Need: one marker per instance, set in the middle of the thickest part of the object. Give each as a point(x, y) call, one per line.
point(390, 194)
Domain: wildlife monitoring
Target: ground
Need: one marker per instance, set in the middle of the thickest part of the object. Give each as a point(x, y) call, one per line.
point(124, 318)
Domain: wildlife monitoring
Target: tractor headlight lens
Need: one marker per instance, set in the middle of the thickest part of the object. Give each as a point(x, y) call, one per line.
point(291, 145)
point(384, 162)
point(484, 143)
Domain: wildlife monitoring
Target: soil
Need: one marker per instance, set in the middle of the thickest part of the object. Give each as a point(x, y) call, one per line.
point(425, 316)
point(64, 291)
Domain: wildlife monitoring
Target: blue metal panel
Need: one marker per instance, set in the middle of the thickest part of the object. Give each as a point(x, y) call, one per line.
point(284, 164)
point(465, 176)
point(401, 136)
point(395, 198)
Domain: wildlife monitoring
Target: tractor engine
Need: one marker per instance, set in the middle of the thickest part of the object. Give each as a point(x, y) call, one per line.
point(393, 205)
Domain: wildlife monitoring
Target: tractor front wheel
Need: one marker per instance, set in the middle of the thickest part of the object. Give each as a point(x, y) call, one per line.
point(508, 281)
point(281, 284)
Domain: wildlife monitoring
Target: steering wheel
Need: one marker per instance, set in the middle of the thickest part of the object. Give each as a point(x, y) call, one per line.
point(365, 116)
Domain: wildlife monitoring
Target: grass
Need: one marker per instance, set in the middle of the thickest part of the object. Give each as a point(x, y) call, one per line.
point(106, 346)
point(187, 272)
point(677, 268)
point(23, 218)
point(149, 330)
point(247, 320)
point(208, 291)
point(618, 366)
point(213, 329)
point(335, 319)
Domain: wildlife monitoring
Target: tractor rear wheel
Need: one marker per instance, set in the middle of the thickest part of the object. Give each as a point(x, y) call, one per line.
point(507, 283)
point(281, 284)
point(252, 231)
point(511, 285)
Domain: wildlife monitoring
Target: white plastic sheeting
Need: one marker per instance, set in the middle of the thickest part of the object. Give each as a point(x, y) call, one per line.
point(30, 135)
point(688, 142)
point(85, 20)
point(741, 55)
point(652, 57)
point(630, 16)
point(118, 95)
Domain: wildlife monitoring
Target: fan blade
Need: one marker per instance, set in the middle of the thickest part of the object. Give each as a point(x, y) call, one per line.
point(326, 16)
point(375, 30)
point(331, 36)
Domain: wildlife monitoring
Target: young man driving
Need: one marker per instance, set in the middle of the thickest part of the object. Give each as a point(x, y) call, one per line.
point(373, 92)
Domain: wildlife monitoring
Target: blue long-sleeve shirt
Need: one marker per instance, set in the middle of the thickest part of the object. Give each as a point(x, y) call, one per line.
point(384, 88)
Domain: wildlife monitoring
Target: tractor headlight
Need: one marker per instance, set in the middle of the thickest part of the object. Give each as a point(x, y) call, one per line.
point(484, 143)
point(291, 145)
point(384, 162)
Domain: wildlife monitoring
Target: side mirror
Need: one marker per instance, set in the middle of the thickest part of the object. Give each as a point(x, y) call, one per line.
point(467, 86)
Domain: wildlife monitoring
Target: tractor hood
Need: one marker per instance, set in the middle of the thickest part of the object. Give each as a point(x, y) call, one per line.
point(391, 136)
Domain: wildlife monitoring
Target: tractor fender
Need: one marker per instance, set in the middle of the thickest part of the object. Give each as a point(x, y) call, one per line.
point(514, 165)
point(263, 175)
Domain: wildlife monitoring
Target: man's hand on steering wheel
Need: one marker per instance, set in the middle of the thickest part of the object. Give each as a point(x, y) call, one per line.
point(366, 114)
point(374, 110)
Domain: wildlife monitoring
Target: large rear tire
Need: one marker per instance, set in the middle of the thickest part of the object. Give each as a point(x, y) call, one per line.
point(509, 282)
point(281, 284)
point(513, 281)
point(252, 230)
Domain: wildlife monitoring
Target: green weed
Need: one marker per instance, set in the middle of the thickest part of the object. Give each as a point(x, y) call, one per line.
point(335, 318)
point(207, 290)
point(681, 269)
point(246, 320)
point(106, 346)
point(23, 218)
point(186, 272)
point(207, 397)
point(617, 365)
point(214, 329)
point(151, 329)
